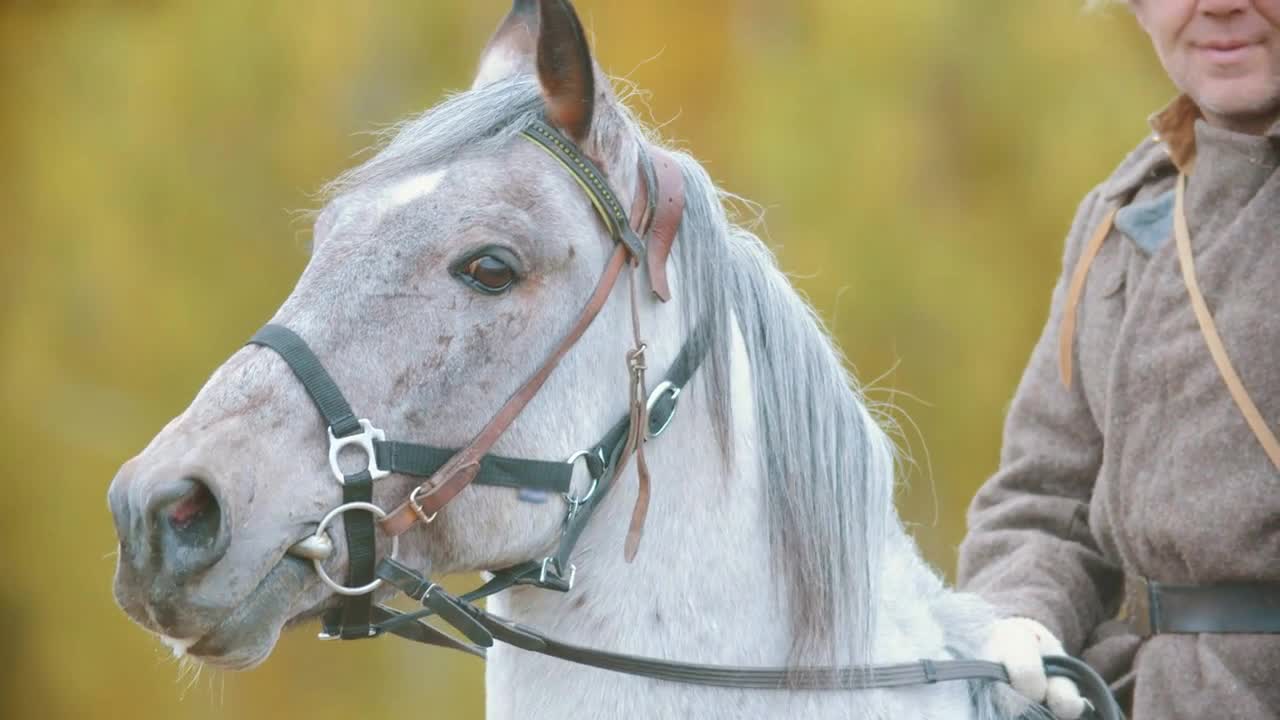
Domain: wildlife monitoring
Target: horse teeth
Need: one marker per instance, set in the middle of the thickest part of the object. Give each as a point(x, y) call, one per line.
point(313, 547)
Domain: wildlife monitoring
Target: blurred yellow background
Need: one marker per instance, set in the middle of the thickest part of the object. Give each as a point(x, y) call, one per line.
point(919, 162)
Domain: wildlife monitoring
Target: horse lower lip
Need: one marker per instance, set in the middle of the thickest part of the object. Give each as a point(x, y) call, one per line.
point(262, 613)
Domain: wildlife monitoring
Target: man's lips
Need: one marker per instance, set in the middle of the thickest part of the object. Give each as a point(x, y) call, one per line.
point(1226, 51)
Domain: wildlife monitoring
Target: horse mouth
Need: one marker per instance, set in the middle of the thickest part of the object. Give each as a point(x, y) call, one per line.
point(245, 637)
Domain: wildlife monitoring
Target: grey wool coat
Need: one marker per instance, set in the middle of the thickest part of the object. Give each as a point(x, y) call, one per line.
point(1144, 464)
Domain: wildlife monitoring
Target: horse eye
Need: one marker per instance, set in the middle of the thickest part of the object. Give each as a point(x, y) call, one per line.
point(489, 274)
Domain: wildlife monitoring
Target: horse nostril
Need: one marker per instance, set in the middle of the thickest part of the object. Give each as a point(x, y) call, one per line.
point(195, 513)
point(187, 521)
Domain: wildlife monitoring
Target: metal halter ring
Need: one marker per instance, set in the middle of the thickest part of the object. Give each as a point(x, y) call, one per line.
point(666, 387)
point(576, 502)
point(364, 440)
point(324, 523)
point(417, 509)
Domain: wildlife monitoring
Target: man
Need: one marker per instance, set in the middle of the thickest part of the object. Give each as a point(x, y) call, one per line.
point(1140, 466)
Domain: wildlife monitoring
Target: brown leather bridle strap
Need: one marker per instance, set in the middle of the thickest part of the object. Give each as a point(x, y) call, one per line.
point(461, 469)
point(638, 431)
point(668, 212)
point(661, 216)
point(428, 498)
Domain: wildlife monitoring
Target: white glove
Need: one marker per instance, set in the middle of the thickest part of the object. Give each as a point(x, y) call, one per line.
point(1018, 644)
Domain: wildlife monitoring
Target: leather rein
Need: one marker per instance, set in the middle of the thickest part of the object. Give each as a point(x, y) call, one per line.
point(655, 216)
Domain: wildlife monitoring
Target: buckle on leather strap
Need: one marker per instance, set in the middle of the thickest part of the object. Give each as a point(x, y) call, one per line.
point(417, 508)
point(363, 440)
point(552, 577)
point(1136, 610)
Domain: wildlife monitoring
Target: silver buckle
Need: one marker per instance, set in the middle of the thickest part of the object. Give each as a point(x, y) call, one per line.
point(666, 387)
point(318, 564)
point(364, 440)
point(417, 508)
point(546, 565)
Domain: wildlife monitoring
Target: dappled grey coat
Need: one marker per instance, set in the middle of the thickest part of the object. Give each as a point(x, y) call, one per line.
point(1144, 464)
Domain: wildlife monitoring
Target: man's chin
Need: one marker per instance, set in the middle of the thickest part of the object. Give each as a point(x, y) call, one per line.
point(1256, 108)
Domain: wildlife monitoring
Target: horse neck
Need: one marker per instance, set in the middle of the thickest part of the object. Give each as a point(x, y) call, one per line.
point(704, 588)
point(701, 588)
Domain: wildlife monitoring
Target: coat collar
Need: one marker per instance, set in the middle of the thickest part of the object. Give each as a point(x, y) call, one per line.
point(1170, 149)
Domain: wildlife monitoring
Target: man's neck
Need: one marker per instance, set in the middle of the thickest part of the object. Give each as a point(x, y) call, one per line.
point(1246, 123)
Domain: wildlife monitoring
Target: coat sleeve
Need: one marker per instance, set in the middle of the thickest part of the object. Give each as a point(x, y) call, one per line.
point(1029, 549)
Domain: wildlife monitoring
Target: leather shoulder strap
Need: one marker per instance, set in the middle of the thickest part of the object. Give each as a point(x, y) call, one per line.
point(1067, 333)
point(1252, 416)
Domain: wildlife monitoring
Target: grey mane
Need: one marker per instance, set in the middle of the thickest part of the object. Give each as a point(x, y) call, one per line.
point(830, 466)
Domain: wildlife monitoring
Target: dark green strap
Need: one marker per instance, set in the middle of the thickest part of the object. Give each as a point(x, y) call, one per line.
point(423, 461)
point(353, 619)
point(611, 445)
point(393, 621)
point(323, 391)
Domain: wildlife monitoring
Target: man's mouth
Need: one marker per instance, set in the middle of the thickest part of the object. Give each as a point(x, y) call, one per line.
point(1226, 52)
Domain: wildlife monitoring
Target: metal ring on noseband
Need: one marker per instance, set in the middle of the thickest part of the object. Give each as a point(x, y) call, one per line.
point(324, 523)
point(666, 387)
point(577, 502)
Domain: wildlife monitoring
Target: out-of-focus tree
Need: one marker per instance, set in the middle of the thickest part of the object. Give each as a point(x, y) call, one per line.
point(919, 162)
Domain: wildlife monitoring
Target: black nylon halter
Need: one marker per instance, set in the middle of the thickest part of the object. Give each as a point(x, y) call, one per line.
point(359, 617)
point(354, 620)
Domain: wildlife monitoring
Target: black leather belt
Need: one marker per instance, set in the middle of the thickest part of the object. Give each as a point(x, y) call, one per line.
point(1155, 608)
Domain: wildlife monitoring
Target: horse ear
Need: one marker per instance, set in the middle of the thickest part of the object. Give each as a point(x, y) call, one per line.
point(545, 36)
point(514, 46)
point(565, 69)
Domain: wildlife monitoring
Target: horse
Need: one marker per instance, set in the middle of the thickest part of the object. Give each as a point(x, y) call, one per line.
point(443, 270)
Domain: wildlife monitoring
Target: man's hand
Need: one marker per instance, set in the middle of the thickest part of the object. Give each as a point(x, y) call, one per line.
point(1019, 644)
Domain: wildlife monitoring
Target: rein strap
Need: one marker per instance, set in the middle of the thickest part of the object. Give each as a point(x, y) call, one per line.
point(856, 677)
